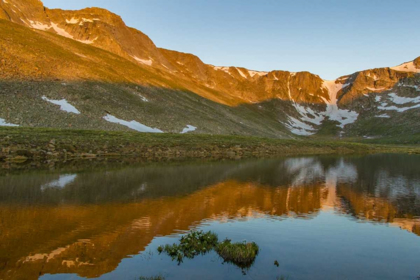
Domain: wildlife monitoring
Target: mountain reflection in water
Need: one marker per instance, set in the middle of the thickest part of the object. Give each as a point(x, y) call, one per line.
point(86, 223)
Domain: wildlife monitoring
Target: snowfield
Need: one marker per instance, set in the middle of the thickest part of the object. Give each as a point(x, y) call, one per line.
point(4, 123)
point(406, 67)
point(241, 73)
point(300, 128)
point(64, 105)
point(148, 62)
point(60, 31)
point(344, 117)
point(403, 100)
point(132, 124)
point(259, 73)
point(189, 128)
point(332, 112)
point(399, 100)
point(383, 116)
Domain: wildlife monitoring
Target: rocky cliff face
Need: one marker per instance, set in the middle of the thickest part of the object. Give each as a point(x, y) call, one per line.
point(94, 26)
point(373, 80)
point(308, 104)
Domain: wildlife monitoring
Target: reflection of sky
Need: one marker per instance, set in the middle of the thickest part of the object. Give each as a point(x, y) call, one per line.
point(321, 241)
point(391, 186)
point(326, 247)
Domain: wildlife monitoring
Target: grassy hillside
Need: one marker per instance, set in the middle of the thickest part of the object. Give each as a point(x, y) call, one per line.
point(22, 144)
point(36, 64)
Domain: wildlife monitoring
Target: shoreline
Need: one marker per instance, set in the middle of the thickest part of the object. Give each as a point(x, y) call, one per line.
point(20, 145)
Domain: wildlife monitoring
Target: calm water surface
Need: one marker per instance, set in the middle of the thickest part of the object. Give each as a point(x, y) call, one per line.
point(354, 217)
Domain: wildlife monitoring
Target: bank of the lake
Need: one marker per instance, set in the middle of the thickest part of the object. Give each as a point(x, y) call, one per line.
point(33, 144)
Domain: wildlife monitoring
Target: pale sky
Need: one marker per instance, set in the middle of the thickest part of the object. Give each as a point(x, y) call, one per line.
point(330, 38)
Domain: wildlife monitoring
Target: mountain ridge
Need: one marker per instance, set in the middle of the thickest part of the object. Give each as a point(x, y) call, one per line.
point(231, 86)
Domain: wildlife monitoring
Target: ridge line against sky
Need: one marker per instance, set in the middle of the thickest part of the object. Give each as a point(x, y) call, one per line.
point(326, 37)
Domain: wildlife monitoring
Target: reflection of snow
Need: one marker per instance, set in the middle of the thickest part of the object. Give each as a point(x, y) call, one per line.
point(341, 173)
point(303, 170)
point(61, 182)
point(308, 170)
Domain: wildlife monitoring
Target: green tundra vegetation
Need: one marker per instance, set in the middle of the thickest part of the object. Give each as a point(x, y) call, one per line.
point(32, 144)
point(241, 254)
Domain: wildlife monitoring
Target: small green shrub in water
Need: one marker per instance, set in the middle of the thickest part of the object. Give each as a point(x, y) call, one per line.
point(241, 254)
point(191, 245)
point(152, 278)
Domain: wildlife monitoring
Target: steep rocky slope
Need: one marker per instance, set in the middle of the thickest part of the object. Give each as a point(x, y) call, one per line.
point(166, 90)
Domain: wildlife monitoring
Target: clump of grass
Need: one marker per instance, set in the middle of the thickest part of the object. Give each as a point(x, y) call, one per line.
point(191, 245)
point(241, 254)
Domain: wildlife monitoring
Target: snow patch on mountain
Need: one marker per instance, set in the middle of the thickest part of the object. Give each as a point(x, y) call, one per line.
point(403, 100)
point(333, 88)
point(81, 55)
point(87, 20)
point(60, 31)
point(406, 67)
point(241, 73)
point(189, 128)
point(144, 99)
point(72, 21)
point(132, 124)
point(259, 73)
point(222, 68)
point(300, 128)
point(308, 116)
point(417, 88)
point(374, 77)
point(148, 62)
point(4, 123)
point(383, 116)
point(64, 105)
point(399, 100)
point(88, 41)
point(398, 109)
point(344, 117)
point(376, 89)
point(39, 25)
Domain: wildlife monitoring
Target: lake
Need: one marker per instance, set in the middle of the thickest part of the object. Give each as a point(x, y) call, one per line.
point(329, 217)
